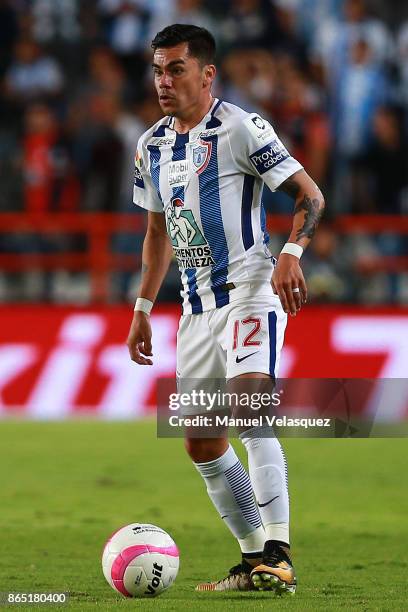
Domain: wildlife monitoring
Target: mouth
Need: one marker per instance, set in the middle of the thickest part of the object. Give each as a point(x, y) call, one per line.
point(165, 98)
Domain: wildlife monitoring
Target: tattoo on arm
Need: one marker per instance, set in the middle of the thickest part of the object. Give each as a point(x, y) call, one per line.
point(313, 214)
point(145, 268)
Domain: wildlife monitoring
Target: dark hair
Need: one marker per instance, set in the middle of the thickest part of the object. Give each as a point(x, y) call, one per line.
point(201, 43)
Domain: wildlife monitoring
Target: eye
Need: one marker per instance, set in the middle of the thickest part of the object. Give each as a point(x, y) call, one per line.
point(178, 71)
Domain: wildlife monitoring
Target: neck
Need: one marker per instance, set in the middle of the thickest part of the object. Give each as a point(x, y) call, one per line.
point(191, 118)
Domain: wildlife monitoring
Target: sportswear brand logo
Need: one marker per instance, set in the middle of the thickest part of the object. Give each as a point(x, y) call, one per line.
point(239, 359)
point(268, 502)
point(155, 163)
point(269, 156)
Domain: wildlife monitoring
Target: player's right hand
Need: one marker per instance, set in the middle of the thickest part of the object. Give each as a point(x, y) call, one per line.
point(140, 339)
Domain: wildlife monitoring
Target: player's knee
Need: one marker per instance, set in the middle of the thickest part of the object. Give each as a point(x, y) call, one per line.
point(203, 449)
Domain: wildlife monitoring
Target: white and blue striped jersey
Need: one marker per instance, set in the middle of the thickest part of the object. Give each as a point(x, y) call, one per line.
point(208, 183)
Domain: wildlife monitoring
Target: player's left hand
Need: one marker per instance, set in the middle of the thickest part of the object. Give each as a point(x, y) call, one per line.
point(286, 278)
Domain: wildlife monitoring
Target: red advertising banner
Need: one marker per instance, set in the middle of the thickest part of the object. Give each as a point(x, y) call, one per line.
point(57, 362)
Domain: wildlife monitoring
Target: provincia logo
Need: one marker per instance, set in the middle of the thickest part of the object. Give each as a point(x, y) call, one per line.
point(269, 156)
point(189, 245)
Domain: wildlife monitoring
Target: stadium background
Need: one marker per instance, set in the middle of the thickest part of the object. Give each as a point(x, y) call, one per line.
point(76, 93)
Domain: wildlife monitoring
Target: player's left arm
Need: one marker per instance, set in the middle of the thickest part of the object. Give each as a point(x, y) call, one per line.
point(257, 150)
point(308, 210)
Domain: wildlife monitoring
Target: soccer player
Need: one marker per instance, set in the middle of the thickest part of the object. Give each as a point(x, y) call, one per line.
point(200, 172)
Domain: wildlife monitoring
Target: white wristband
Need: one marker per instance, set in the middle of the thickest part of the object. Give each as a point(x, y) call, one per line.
point(293, 249)
point(144, 305)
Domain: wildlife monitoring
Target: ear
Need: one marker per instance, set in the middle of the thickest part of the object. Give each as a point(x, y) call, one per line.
point(209, 75)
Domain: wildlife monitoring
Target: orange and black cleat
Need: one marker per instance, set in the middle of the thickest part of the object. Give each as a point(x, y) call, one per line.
point(276, 572)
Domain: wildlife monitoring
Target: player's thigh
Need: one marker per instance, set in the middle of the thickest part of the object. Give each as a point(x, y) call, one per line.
point(254, 337)
point(198, 353)
point(201, 362)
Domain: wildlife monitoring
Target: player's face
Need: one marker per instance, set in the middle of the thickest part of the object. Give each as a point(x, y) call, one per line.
point(181, 82)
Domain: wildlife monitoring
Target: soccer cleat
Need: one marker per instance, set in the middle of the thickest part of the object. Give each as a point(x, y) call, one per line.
point(238, 579)
point(276, 572)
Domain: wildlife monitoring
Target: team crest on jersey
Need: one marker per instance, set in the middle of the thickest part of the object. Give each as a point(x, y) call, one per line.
point(201, 155)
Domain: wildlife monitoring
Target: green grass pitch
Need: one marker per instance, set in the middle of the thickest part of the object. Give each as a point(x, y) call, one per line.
point(66, 486)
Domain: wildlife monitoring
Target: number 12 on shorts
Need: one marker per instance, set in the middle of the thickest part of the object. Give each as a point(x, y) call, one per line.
point(247, 329)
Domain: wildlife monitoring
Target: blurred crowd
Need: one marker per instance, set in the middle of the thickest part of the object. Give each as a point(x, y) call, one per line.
point(331, 75)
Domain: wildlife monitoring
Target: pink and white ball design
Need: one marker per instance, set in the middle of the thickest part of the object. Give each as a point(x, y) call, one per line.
point(140, 560)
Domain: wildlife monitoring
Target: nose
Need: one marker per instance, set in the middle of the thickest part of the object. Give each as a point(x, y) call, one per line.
point(165, 80)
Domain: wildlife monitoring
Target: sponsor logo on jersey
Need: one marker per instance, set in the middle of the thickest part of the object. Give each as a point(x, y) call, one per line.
point(208, 133)
point(162, 141)
point(178, 173)
point(194, 257)
point(190, 247)
point(269, 156)
point(201, 155)
point(139, 182)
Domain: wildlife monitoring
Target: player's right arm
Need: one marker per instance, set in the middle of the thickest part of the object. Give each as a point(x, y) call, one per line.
point(156, 257)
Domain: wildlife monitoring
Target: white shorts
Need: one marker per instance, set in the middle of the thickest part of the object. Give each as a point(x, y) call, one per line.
point(242, 337)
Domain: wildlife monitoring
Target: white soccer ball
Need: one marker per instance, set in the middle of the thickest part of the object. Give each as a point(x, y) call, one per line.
point(140, 560)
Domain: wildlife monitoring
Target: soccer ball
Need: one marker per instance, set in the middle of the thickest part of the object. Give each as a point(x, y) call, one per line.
point(140, 560)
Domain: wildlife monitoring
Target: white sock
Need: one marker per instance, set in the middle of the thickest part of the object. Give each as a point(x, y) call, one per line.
point(269, 477)
point(230, 490)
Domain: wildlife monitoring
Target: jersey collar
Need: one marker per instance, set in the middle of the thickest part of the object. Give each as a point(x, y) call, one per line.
point(196, 130)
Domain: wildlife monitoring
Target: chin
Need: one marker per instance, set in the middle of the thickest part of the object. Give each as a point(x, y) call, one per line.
point(168, 108)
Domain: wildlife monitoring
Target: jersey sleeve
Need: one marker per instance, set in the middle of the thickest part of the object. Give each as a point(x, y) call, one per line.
point(144, 192)
point(257, 150)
